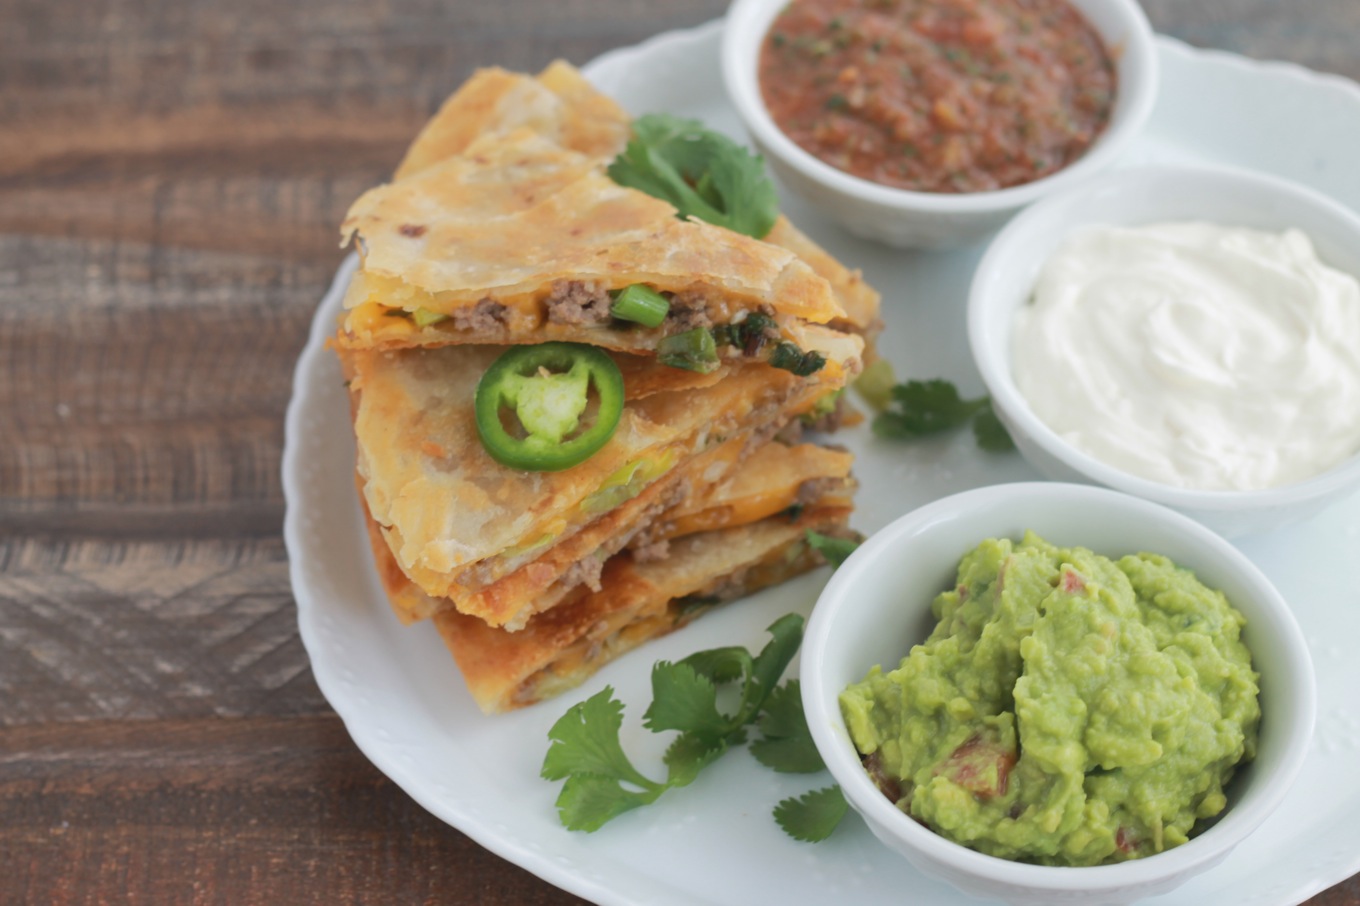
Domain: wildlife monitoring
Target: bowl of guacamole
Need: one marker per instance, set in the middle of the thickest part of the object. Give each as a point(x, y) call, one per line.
point(1046, 693)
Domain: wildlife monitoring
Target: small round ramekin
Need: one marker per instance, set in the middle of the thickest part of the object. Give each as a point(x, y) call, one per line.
point(1005, 280)
point(929, 219)
point(877, 605)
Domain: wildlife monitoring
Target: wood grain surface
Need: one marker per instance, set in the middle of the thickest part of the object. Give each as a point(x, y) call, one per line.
point(171, 175)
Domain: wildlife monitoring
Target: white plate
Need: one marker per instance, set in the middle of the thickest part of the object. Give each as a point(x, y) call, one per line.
point(714, 842)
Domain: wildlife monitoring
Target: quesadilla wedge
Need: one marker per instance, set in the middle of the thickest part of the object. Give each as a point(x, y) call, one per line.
point(542, 582)
point(561, 106)
point(724, 487)
point(458, 522)
point(637, 602)
point(776, 478)
point(558, 104)
point(519, 240)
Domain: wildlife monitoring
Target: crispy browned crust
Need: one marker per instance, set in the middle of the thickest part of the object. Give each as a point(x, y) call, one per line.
point(516, 214)
point(458, 522)
point(561, 647)
point(558, 103)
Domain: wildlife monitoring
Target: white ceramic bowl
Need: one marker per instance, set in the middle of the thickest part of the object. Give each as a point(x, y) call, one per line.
point(877, 605)
point(1008, 271)
point(927, 219)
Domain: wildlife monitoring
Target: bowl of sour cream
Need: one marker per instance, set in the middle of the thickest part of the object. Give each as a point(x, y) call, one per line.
point(1188, 335)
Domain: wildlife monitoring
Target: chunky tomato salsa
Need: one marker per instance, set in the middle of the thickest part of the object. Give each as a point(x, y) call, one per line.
point(938, 95)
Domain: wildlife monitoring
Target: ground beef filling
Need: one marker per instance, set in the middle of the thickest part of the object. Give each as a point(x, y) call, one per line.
point(689, 309)
point(653, 552)
point(579, 303)
point(585, 572)
point(484, 316)
point(815, 489)
point(587, 303)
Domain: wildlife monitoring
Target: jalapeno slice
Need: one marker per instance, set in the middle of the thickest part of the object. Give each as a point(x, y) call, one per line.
point(546, 390)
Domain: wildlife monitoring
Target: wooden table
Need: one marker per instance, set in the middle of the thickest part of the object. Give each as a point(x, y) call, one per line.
point(171, 176)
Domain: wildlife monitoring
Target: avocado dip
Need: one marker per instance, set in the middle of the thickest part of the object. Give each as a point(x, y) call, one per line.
point(1067, 709)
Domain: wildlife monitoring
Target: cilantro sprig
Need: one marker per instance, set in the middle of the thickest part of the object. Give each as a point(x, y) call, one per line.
point(602, 782)
point(702, 173)
point(786, 743)
point(835, 550)
point(786, 746)
point(921, 408)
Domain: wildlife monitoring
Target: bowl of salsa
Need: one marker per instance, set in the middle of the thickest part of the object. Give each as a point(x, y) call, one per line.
point(926, 123)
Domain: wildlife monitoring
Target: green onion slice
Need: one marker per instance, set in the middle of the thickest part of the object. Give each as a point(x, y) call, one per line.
point(640, 304)
point(693, 350)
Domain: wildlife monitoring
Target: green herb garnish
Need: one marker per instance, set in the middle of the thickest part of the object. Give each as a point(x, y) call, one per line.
point(790, 358)
point(835, 550)
point(923, 408)
point(991, 435)
point(601, 781)
point(787, 747)
point(749, 334)
point(702, 173)
point(814, 816)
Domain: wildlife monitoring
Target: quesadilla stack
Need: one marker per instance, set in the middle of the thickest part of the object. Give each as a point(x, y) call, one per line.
point(563, 111)
point(550, 477)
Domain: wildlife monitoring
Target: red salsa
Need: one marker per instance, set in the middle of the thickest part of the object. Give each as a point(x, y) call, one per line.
point(938, 95)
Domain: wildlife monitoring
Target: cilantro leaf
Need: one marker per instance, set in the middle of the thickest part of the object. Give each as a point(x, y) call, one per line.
point(585, 740)
point(721, 665)
point(587, 802)
point(702, 173)
point(835, 550)
point(747, 194)
point(601, 783)
point(814, 816)
point(787, 746)
point(922, 408)
point(991, 435)
point(925, 407)
point(688, 754)
point(682, 699)
point(786, 635)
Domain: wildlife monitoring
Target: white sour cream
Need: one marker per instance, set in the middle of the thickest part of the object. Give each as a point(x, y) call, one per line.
point(1195, 355)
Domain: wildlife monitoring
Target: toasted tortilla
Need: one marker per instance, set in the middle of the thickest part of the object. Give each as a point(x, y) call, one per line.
point(542, 582)
point(736, 483)
point(857, 299)
point(560, 105)
point(774, 479)
point(637, 602)
point(487, 240)
point(458, 522)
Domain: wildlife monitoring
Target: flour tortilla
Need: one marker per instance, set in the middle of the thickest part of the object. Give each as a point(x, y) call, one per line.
point(562, 647)
point(560, 105)
point(457, 522)
point(517, 219)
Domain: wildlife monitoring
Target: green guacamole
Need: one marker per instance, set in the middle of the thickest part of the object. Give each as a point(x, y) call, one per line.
point(1067, 710)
